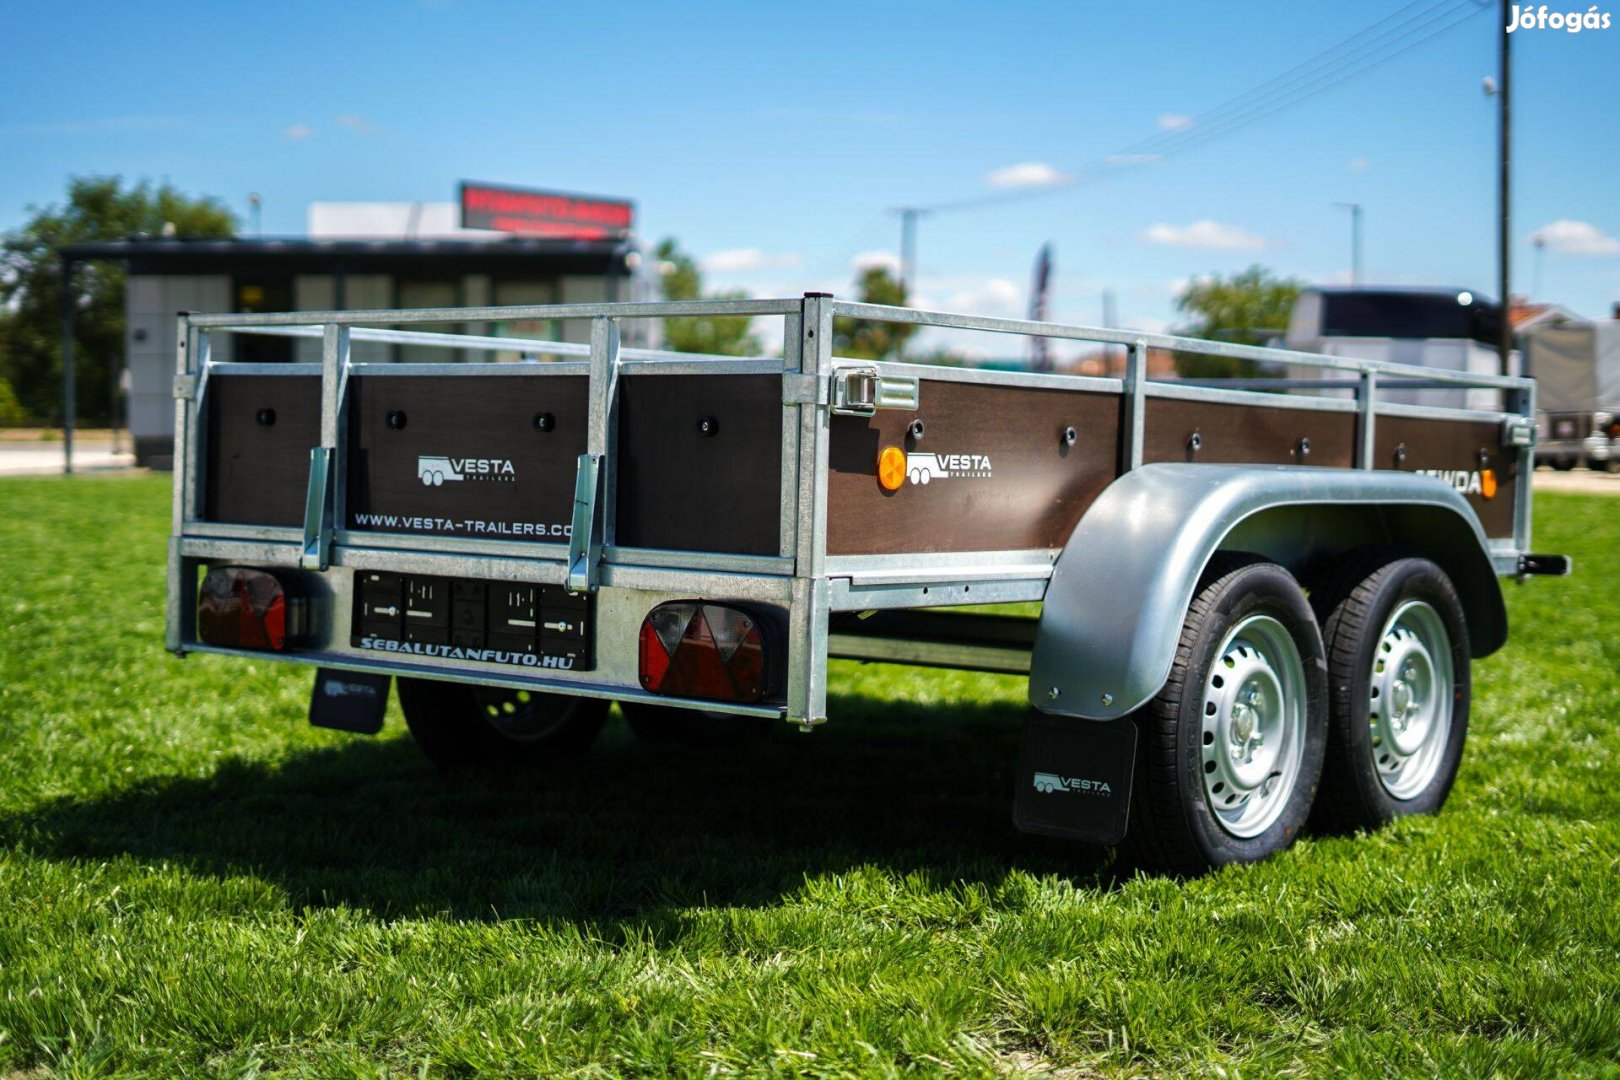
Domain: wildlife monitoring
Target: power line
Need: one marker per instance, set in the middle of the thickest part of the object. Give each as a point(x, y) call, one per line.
point(1354, 56)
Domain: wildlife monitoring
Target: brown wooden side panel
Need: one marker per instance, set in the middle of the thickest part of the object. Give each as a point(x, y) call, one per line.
point(260, 432)
point(1460, 452)
point(1230, 434)
point(685, 489)
point(465, 456)
point(1004, 481)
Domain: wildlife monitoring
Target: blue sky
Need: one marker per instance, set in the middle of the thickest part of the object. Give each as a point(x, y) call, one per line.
point(770, 139)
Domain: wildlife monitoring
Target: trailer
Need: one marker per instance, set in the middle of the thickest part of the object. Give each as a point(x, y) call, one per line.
point(1576, 366)
point(1257, 608)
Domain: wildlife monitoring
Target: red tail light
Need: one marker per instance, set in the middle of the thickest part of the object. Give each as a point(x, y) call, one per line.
point(240, 608)
point(707, 651)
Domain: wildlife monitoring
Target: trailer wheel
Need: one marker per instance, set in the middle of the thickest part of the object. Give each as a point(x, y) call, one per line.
point(690, 727)
point(460, 725)
point(1398, 668)
point(1230, 751)
point(1563, 464)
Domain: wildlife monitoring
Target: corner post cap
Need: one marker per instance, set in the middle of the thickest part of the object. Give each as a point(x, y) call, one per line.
point(818, 295)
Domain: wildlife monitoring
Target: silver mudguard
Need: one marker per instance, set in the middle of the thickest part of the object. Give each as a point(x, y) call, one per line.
point(1121, 586)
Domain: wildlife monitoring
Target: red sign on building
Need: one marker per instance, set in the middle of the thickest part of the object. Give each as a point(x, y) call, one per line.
point(544, 213)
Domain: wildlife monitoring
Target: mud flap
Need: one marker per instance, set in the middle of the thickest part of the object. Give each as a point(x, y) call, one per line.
point(352, 701)
point(1074, 777)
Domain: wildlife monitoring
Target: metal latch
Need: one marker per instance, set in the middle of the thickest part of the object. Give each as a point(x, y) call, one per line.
point(185, 387)
point(1518, 431)
point(316, 554)
point(584, 549)
point(858, 390)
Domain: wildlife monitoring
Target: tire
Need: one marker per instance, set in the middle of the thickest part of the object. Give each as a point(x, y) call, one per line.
point(1563, 464)
point(1389, 605)
point(690, 727)
point(1206, 793)
point(453, 723)
point(1611, 466)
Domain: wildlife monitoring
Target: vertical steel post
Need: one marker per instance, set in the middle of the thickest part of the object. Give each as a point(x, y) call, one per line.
point(592, 515)
point(1524, 403)
point(1135, 403)
point(321, 498)
point(1367, 404)
point(807, 618)
point(177, 596)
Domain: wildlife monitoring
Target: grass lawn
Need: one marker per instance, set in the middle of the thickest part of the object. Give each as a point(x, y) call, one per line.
point(194, 882)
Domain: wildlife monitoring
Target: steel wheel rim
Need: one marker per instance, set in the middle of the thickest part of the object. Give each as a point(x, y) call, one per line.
point(1409, 707)
point(1254, 720)
point(516, 714)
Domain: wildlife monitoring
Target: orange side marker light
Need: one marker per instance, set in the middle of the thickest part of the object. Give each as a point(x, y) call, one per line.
point(892, 468)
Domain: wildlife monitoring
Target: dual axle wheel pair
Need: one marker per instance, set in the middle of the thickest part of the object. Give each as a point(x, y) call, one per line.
point(1346, 710)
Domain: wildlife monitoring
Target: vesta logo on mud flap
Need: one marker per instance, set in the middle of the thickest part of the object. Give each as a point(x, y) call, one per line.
point(924, 468)
point(434, 471)
point(1480, 482)
point(1047, 783)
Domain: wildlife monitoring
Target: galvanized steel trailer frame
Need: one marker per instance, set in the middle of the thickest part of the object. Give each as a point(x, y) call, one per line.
point(801, 578)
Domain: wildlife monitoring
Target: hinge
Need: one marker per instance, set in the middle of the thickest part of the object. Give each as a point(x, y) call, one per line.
point(799, 389)
point(859, 390)
point(185, 387)
point(1518, 431)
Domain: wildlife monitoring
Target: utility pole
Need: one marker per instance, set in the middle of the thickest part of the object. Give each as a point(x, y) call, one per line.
point(1505, 190)
point(254, 203)
point(1355, 240)
point(908, 249)
point(1109, 317)
point(68, 390)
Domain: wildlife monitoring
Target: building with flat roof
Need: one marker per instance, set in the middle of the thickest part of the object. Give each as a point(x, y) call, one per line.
point(358, 256)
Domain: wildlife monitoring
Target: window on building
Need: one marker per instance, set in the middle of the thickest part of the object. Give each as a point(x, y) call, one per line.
point(255, 294)
point(416, 293)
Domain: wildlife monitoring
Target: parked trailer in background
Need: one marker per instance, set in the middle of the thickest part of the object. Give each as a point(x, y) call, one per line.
point(1255, 605)
point(1576, 366)
point(1451, 328)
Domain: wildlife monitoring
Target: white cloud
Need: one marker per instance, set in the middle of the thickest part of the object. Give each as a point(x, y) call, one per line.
point(1359, 164)
point(356, 122)
point(1174, 121)
point(1025, 174)
point(1206, 235)
point(993, 296)
point(298, 132)
point(866, 260)
point(1576, 238)
point(746, 260)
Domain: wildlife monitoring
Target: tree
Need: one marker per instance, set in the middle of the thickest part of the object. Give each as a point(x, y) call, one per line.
point(868, 339)
point(98, 208)
point(727, 335)
point(1248, 308)
point(11, 410)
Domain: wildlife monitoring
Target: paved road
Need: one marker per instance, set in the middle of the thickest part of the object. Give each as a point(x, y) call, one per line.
point(37, 459)
point(1584, 481)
